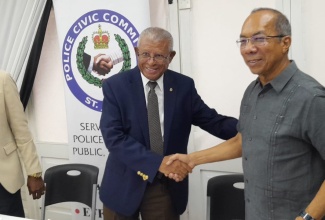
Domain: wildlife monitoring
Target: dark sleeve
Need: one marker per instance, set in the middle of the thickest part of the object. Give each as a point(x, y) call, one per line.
point(86, 60)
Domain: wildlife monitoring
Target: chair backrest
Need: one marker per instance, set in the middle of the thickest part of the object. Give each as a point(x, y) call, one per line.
point(226, 200)
point(71, 183)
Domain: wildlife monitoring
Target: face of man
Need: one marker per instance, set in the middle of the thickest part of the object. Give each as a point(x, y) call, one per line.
point(266, 59)
point(153, 57)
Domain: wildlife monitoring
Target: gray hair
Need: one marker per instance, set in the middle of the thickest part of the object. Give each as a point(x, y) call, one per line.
point(282, 24)
point(156, 34)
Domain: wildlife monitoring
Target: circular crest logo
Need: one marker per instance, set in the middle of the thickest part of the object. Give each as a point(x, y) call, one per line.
point(94, 37)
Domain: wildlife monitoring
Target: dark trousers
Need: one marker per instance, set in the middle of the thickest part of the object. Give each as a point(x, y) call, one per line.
point(156, 205)
point(11, 204)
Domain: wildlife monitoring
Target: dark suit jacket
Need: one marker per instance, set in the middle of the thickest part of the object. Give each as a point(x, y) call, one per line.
point(124, 126)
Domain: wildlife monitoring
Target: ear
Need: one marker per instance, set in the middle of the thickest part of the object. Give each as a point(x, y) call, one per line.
point(171, 55)
point(286, 41)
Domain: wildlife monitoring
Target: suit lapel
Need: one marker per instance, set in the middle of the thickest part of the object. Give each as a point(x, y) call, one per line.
point(170, 94)
point(139, 103)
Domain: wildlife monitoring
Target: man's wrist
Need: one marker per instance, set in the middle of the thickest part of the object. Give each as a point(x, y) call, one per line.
point(159, 175)
point(306, 216)
point(192, 160)
point(36, 175)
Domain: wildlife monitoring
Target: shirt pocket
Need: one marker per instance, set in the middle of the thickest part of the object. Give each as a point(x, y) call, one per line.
point(285, 127)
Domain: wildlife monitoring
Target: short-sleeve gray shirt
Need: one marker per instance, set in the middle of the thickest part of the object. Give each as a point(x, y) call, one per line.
point(283, 130)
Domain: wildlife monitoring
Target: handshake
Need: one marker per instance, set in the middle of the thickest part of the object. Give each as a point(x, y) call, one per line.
point(177, 166)
point(103, 63)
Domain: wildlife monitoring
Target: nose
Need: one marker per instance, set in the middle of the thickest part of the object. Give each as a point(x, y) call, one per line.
point(151, 60)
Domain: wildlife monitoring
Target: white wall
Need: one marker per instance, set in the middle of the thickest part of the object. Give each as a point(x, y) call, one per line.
point(308, 31)
point(208, 53)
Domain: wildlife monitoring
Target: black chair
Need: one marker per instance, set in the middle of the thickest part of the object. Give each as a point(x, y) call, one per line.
point(71, 183)
point(225, 199)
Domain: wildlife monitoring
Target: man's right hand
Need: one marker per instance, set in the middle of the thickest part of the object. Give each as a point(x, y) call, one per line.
point(179, 158)
point(178, 168)
point(185, 158)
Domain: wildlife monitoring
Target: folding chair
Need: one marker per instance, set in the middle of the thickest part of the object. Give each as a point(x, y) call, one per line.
point(225, 200)
point(71, 183)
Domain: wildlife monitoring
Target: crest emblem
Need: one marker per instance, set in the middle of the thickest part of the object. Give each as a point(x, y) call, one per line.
point(111, 36)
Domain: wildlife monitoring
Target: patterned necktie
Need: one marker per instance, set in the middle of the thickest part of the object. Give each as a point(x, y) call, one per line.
point(156, 142)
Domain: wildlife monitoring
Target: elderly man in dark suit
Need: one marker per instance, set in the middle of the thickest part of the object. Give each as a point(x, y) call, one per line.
point(134, 181)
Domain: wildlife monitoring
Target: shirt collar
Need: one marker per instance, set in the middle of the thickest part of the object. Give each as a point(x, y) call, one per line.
point(283, 78)
point(159, 81)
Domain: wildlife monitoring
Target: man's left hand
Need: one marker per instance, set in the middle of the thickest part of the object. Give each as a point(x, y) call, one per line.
point(35, 186)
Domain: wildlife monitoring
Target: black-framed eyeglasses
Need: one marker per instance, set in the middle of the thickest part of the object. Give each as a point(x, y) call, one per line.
point(256, 40)
point(157, 57)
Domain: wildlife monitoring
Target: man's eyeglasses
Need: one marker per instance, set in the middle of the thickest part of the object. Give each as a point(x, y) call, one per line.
point(257, 40)
point(157, 57)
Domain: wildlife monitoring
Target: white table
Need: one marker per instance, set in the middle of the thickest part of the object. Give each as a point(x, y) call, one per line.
point(6, 217)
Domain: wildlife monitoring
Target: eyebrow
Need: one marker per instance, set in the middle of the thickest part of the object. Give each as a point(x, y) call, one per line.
point(256, 33)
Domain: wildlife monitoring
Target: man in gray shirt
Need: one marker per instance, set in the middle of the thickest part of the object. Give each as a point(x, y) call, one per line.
point(281, 129)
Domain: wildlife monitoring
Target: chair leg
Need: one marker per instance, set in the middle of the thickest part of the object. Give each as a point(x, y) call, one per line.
point(43, 208)
point(93, 205)
point(208, 208)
